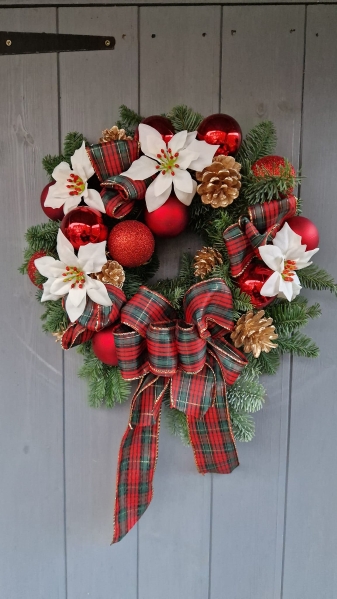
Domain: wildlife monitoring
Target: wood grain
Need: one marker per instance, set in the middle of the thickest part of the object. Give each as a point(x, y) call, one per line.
point(5, 3)
point(92, 86)
point(31, 439)
point(260, 64)
point(311, 531)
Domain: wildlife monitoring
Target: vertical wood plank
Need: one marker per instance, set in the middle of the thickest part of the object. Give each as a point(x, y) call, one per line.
point(32, 562)
point(311, 529)
point(262, 64)
point(178, 64)
point(93, 85)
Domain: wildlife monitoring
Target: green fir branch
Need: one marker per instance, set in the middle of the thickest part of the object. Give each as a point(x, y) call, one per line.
point(241, 301)
point(268, 363)
point(297, 344)
point(243, 426)
point(49, 163)
point(129, 120)
point(184, 118)
point(266, 187)
point(316, 278)
point(54, 318)
point(288, 317)
point(246, 396)
point(260, 142)
point(176, 421)
point(72, 142)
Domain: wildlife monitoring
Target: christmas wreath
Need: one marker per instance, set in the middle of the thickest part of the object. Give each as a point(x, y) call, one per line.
point(198, 343)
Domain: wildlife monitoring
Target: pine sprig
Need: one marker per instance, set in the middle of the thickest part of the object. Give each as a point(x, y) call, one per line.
point(316, 278)
point(184, 118)
point(49, 163)
point(259, 189)
point(268, 363)
point(290, 316)
point(54, 318)
point(129, 119)
point(72, 142)
point(176, 421)
point(40, 237)
point(298, 344)
point(260, 142)
point(243, 426)
point(246, 396)
point(241, 301)
point(106, 384)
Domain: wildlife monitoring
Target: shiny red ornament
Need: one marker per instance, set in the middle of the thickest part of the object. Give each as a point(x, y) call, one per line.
point(169, 220)
point(84, 225)
point(104, 348)
point(223, 130)
point(306, 229)
point(131, 243)
point(52, 213)
point(31, 268)
point(251, 282)
point(160, 124)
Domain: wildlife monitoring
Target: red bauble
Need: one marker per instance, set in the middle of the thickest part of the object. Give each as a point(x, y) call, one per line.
point(84, 225)
point(221, 129)
point(131, 243)
point(103, 346)
point(271, 165)
point(52, 213)
point(160, 124)
point(169, 220)
point(252, 281)
point(306, 229)
point(31, 268)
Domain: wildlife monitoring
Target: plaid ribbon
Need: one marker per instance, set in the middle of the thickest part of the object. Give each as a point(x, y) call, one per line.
point(94, 318)
point(244, 238)
point(192, 359)
point(109, 160)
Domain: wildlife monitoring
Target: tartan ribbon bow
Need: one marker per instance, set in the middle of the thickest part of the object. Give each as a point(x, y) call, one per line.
point(108, 160)
point(192, 359)
point(244, 238)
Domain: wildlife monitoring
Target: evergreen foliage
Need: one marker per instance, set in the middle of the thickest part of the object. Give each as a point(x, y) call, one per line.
point(260, 142)
point(72, 142)
point(288, 317)
point(243, 426)
point(246, 396)
point(54, 318)
point(298, 344)
point(40, 237)
point(176, 421)
point(269, 187)
point(184, 118)
point(129, 119)
point(316, 278)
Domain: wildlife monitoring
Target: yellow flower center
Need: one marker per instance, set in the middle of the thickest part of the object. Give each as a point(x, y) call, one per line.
point(75, 275)
point(167, 161)
point(288, 272)
point(76, 185)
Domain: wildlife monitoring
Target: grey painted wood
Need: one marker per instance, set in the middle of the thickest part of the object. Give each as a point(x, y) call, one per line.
point(261, 79)
point(5, 3)
point(31, 439)
point(92, 86)
point(174, 534)
point(311, 531)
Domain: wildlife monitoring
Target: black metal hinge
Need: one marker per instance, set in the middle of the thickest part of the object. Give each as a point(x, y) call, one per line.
point(14, 42)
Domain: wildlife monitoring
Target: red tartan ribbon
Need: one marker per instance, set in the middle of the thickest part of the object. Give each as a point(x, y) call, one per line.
point(244, 238)
point(109, 160)
point(192, 360)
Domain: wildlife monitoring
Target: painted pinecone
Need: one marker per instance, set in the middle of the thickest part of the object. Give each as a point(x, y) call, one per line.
point(112, 272)
point(255, 333)
point(220, 182)
point(205, 260)
point(113, 134)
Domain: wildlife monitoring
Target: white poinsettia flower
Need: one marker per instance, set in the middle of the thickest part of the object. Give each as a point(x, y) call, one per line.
point(170, 162)
point(71, 184)
point(284, 257)
point(69, 276)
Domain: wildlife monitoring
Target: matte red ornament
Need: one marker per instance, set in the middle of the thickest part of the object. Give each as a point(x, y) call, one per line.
point(160, 124)
point(52, 213)
point(131, 243)
point(31, 268)
point(103, 346)
point(84, 225)
point(306, 229)
point(169, 220)
point(252, 281)
point(221, 129)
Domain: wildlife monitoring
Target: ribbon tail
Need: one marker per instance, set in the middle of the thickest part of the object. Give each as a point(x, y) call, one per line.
point(138, 455)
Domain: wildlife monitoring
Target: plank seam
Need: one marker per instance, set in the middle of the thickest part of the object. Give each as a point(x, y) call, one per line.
point(140, 5)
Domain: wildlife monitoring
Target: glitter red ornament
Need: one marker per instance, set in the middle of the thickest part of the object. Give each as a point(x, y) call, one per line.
point(131, 243)
point(223, 130)
point(52, 213)
point(272, 165)
point(251, 282)
point(84, 225)
point(31, 268)
point(169, 220)
point(160, 124)
point(104, 348)
point(306, 229)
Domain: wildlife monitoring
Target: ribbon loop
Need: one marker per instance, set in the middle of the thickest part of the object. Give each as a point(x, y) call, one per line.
point(208, 304)
point(131, 350)
point(162, 350)
point(191, 347)
point(144, 308)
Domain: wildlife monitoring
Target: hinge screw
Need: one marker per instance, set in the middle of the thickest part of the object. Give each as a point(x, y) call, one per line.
point(8, 42)
point(107, 42)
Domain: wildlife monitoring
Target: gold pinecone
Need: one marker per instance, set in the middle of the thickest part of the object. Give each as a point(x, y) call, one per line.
point(58, 336)
point(205, 260)
point(112, 273)
point(113, 134)
point(220, 182)
point(255, 333)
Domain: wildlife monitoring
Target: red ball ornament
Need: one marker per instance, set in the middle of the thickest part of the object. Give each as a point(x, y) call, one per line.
point(306, 229)
point(169, 220)
point(52, 213)
point(271, 165)
point(160, 124)
point(223, 130)
point(31, 268)
point(104, 348)
point(131, 243)
point(251, 282)
point(84, 225)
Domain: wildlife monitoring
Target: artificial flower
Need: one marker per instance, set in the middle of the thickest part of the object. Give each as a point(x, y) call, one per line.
point(170, 162)
point(71, 185)
point(69, 276)
point(284, 257)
